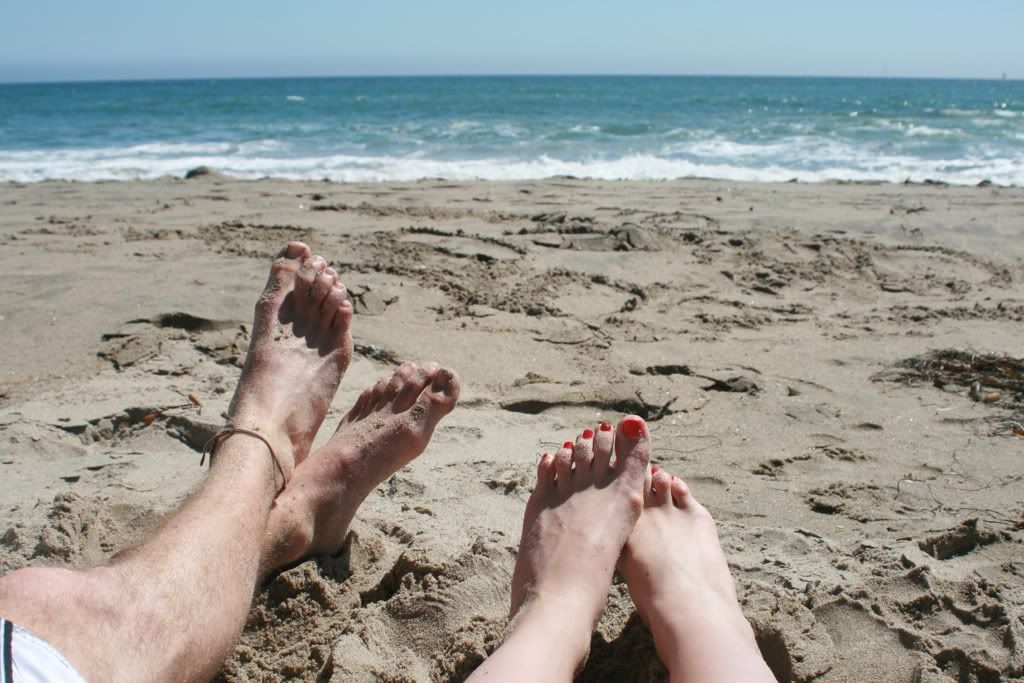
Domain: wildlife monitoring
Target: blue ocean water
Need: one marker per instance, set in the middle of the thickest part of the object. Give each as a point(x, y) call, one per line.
point(366, 129)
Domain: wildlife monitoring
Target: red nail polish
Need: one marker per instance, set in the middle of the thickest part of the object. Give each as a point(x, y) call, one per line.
point(633, 427)
point(655, 469)
point(605, 427)
point(588, 433)
point(567, 444)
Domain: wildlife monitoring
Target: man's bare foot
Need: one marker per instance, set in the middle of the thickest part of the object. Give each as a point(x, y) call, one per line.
point(389, 425)
point(300, 347)
point(577, 520)
point(683, 590)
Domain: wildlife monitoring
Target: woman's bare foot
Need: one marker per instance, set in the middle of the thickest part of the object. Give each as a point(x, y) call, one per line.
point(577, 520)
point(683, 590)
point(300, 347)
point(389, 425)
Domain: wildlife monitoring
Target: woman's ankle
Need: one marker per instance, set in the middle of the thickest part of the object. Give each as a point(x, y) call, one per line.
point(555, 632)
point(709, 644)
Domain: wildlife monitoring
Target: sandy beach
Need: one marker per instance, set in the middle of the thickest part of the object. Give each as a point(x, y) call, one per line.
point(873, 523)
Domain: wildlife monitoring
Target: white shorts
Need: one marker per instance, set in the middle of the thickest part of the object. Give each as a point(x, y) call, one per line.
point(28, 659)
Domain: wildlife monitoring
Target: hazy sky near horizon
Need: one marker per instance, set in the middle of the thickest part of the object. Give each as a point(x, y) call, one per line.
point(121, 39)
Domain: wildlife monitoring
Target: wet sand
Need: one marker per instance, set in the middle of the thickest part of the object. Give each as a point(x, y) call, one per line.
point(874, 527)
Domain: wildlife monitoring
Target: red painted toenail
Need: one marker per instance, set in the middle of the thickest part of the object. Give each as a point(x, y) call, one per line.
point(633, 427)
point(655, 469)
point(588, 433)
point(567, 444)
point(605, 427)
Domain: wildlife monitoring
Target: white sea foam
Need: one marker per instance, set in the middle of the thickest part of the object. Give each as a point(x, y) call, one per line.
point(988, 123)
point(953, 111)
point(912, 130)
point(295, 98)
point(463, 124)
point(258, 146)
point(832, 163)
point(507, 130)
point(162, 149)
point(719, 148)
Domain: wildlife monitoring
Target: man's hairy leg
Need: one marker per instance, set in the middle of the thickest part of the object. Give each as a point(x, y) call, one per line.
point(172, 608)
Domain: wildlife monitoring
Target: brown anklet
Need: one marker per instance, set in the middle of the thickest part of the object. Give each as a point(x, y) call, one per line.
point(215, 441)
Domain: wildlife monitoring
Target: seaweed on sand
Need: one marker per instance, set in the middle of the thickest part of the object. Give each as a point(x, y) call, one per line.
point(992, 379)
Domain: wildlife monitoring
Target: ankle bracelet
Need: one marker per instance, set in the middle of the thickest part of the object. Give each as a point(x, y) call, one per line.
point(215, 441)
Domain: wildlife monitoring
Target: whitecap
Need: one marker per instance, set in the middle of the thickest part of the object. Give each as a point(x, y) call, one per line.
point(295, 98)
point(507, 130)
point(463, 124)
point(927, 131)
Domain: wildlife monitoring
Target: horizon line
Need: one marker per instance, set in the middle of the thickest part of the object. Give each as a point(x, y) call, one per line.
point(62, 81)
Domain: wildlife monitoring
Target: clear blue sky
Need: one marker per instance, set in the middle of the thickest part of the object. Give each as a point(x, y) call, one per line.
point(101, 39)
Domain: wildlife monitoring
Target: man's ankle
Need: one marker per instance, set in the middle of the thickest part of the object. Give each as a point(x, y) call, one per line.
point(246, 456)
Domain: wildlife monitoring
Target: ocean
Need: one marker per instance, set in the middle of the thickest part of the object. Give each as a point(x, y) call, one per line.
point(511, 128)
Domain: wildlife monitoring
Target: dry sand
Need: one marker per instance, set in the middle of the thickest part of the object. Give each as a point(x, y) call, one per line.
point(874, 528)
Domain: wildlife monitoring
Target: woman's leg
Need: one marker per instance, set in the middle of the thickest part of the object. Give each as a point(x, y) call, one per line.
point(577, 520)
point(682, 588)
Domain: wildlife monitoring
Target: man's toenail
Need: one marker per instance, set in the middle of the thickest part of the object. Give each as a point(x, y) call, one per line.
point(633, 427)
point(588, 433)
point(605, 427)
point(567, 444)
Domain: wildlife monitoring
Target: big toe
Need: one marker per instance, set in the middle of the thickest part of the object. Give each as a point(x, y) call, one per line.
point(283, 271)
point(632, 451)
point(438, 399)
